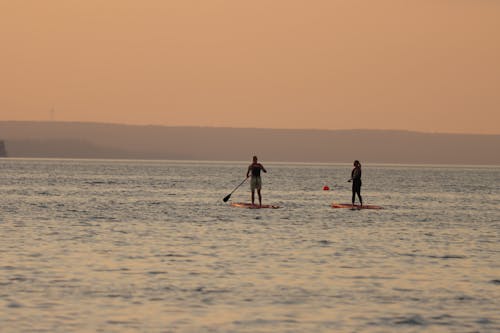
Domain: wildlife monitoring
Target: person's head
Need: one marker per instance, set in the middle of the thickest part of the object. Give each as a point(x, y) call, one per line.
point(255, 159)
point(357, 164)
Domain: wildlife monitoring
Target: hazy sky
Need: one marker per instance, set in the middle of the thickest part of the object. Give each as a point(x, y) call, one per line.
point(427, 65)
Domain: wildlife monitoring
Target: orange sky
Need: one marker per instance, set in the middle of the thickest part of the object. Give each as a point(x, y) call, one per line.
point(426, 65)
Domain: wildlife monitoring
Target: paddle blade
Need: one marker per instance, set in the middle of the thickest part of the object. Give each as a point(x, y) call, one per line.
point(226, 198)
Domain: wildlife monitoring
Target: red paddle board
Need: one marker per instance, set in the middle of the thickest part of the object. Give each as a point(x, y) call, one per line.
point(345, 205)
point(249, 205)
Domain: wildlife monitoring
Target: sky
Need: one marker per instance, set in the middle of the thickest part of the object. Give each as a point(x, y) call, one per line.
point(423, 65)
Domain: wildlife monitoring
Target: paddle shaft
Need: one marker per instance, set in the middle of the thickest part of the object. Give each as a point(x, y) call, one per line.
point(226, 198)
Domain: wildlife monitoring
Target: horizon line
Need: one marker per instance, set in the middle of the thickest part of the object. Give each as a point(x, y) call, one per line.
point(245, 128)
point(244, 162)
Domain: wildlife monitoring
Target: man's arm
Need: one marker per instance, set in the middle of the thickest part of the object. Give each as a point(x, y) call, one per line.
point(263, 169)
point(248, 170)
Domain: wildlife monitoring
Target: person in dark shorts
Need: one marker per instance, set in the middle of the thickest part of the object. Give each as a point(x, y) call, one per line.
point(256, 182)
point(356, 182)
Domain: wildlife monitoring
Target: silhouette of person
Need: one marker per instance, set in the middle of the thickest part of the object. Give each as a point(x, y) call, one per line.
point(356, 182)
point(256, 182)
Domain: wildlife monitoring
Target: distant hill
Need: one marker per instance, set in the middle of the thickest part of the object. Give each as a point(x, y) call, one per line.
point(97, 140)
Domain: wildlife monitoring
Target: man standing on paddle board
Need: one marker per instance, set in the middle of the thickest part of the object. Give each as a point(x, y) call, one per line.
point(356, 182)
point(256, 181)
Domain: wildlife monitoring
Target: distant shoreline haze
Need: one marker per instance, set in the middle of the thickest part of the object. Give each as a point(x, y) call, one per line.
point(102, 140)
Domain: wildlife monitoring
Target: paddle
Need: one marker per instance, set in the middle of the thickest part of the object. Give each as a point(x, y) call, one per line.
point(226, 198)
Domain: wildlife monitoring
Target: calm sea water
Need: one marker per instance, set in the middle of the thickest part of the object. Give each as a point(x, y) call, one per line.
point(127, 246)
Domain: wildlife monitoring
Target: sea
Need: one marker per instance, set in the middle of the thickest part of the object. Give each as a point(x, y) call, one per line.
point(150, 246)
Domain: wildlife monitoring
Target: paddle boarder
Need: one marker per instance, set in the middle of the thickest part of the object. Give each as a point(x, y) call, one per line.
point(256, 182)
point(356, 182)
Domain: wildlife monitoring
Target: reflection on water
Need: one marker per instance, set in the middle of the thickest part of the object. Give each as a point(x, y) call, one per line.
point(117, 246)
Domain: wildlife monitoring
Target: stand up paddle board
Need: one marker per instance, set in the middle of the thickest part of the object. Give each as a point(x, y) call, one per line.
point(249, 205)
point(351, 206)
